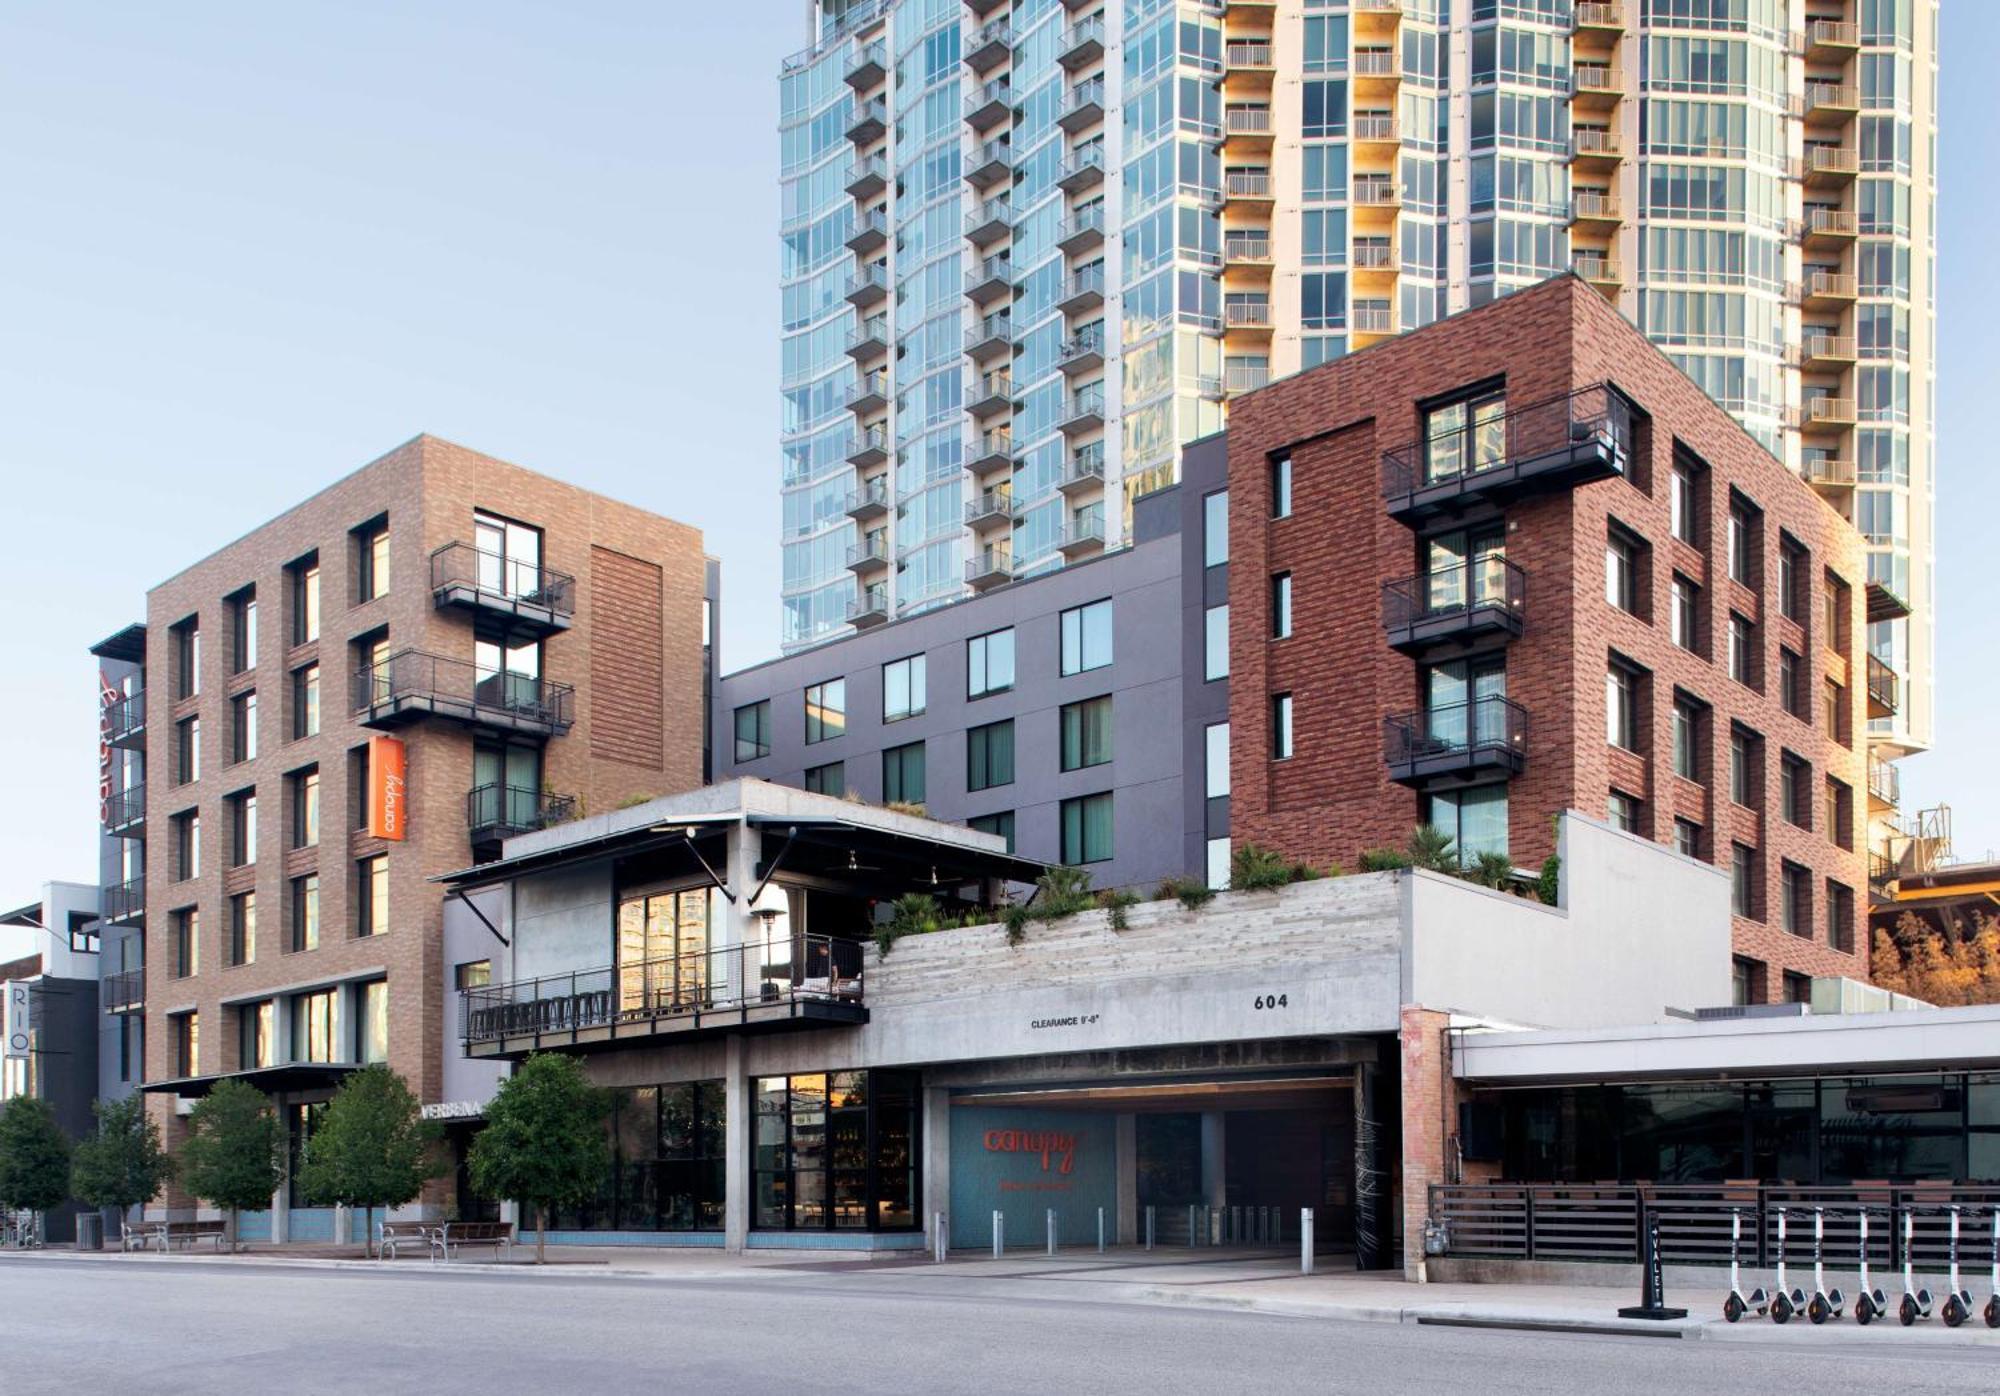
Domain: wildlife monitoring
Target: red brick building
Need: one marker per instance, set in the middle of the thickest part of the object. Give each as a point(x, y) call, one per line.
point(1517, 563)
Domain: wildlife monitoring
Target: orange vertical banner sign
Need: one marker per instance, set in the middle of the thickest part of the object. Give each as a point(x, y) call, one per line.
point(388, 788)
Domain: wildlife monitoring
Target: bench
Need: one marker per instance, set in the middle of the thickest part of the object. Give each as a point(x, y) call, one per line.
point(408, 1233)
point(452, 1237)
point(143, 1235)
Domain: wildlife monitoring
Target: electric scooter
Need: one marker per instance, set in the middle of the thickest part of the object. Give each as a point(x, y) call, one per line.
point(1869, 1303)
point(1993, 1282)
point(1916, 1303)
point(1825, 1303)
point(1784, 1302)
point(1957, 1301)
point(1738, 1303)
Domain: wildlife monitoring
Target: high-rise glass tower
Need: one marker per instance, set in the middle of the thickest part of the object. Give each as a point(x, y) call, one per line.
point(1033, 246)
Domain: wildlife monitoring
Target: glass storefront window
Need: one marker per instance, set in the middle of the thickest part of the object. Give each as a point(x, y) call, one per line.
point(835, 1151)
point(667, 1166)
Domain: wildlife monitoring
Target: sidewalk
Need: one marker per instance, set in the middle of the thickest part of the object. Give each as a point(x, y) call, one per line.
point(1246, 1281)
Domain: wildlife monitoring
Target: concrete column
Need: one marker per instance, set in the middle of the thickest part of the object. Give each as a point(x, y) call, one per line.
point(937, 1164)
point(345, 1227)
point(736, 1148)
point(281, 1215)
point(1126, 1229)
point(1214, 1191)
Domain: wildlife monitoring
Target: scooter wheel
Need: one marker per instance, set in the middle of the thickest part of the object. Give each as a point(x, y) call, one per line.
point(1864, 1310)
point(1993, 1312)
point(1732, 1308)
point(1781, 1308)
point(1954, 1312)
point(1907, 1311)
point(1816, 1309)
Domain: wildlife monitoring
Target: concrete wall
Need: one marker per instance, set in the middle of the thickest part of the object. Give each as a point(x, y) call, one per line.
point(563, 920)
point(467, 938)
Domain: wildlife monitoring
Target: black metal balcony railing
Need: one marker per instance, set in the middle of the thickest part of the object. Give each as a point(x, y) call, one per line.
point(805, 976)
point(1485, 594)
point(123, 901)
point(125, 808)
point(1883, 689)
point(1579, 437)
point(125, 718)
point(1885, 782)
point(1456, 739)
point(123, 992)
point(462, 570)
point(1881, 868)
point(411, 683)
point(501, 811)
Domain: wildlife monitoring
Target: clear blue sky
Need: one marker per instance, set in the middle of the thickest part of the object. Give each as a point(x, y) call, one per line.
point(249, 246)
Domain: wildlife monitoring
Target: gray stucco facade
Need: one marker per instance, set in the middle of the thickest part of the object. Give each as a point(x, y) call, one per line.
point(1161, 704)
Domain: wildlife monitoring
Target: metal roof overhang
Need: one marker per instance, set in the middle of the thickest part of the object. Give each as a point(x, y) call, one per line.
point(291, 1076)
point(617, 843)
point(962, 860)
point(128, 645)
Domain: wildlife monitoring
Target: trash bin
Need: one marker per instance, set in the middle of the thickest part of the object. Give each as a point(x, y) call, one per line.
point(90, 1231)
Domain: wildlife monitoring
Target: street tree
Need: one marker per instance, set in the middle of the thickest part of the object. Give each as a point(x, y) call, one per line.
point(544, 1142)
point(34, 1156)
point(372, 1147)
point(233, 1156)
point(121, 1163)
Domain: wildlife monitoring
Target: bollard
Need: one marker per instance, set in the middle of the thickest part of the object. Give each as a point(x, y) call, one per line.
point(1305, 1240)
point(1233, 1223)
point(1100, 1231)
point(937, 1235)
point(1149, 1226)
point(1052, 1231)
point(999, 1234)
point(1192, 1240)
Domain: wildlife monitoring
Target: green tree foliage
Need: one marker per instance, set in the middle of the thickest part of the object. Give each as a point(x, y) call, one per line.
point(234, 1154)
point(121, 1163)
point(34, 1156)
point(372, 1147)
point(544, 1140)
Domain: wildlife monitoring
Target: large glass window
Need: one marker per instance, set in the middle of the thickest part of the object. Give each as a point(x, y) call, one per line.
point(372, 899)
point(989, 755)
point(989, 663)
point(316, 1026)
point(753, 730)
point(663, 950)
point(1281, 487)
point(830, 779)
point(903, 688)
point(1086, 733)
point(371, 1036)
point(1215, 529)
point(1216, 759)
point(1465, 436)
point(667, 1165)
point(826, 711)
point(305, 912)
point(1476, 819)
point(1086, 829)
point(1281, 606)
point(903, 774)
point(835, 1151)
point(1621, 720)
point(1001, 823)
point(1086, 637)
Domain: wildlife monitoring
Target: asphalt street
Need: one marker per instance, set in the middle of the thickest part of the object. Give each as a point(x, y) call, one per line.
point(168, 1327)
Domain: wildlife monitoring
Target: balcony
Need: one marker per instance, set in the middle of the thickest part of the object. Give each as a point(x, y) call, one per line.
point(1457, 743)
point(124, 903)
point(1377, 74)
point(1249, 63)
point(1825, 353)
point(1376, 18)
point(1084, 474)
point(1369, 319)
point(867, 177)
point(1884, 604)
point(524, 598)
point(1829, 474)
point(868, 67)
point(1248, 130)
point(990, 338)
point(868, 123)
point(989, 105)
point(1824, 412)
point(1247, 251)
point(982, 8)
point(1252, 315)
point(869, 234)
point(1885, 785)
point(1084, 107)
point(1083, 170)
point(1081, 538)
point(988, 508)
point(1082, 45)
point(1083, 412)
point(1830, 166)
point(1598, 269)
point(991, 221)
point(1374, 264)
point(1830, 104)
point(1594, 150)
point(871, 554)
point(123, 721)
point(869, 607)
point(1083, 231)
point(1084, 352)
point(1828, 290)
point(869, 286)
point(989, 567)
point(869, 393)
point(990, 164)
point(124, 811)
point(1559, 444)
point(989, 450)
point(1083, 291)
point(989, 280)
point(868, 446)
point(870, 501)
point(1456, 608)
point(1244, 378)
point(810, 981)
point(411, 685)
point(987, 47)
point(1831, 228)
point(496, 812)
point(1375, 197)
point(1831, 41)
point(1594, 213)
point(1593, 16)
point(1884, 689)
point(123, 992)
point(1376, 136)
point(869, 339)
point(1596, 86)
point(992, 394)
point(1248, 186)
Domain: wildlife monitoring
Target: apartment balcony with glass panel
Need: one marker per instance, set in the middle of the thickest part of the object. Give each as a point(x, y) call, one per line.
point(1083, 170)
point(989, 567)
point(1083, 291)
point(1083, 352)
point(867, 177)
point(868, 123)
point(988, 46)
point(1884, 689)
point(868, 286)
point(870, 393)
point(868, 446)
point(123, 992)
point(990, 104)
point(1082, 537)
point(991, 221)
point(124, 903)
point(871, 554)
point(1083, 107)
point(868, 607)
point(870, 500)
point(1456, 743)
point(990, 509)
point(1377, 74)
point(869, 339)
point(1084, 412)
point(1082, 231)
point(991, 338)
point(870, 232)
point(1082, 44)
point(1083, 474)
point(868, 67)
point(991, 395)
point(990, 165)
point(989, 451)
point(1829, 104)
point(1831, 40)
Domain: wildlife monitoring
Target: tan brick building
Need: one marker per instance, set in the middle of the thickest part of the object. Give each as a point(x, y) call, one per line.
point(1517, 563)
point(538, 651)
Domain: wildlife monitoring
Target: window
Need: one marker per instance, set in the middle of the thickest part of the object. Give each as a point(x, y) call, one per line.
point(1746, 981)
point(1465, 437)
point(753, 730)
point(1837, 809)
point(1475, 819)
point(1281, 487)
point(1215, 762)
point(903, 688)
point(255, 1022)
point(187, 1044)
point(1798, 988)
point(1684, 505)
point(1281, 606)
point(1743, 766)
point(1797, 904)
point(305, 807)
point(243, 928)
point(371, 901)
point(1086, 829)
point(305, 701)
point(989, 663)
point(242, 828)
point(1281, 726)
point(243, 630)
point(510, 556)
point(1835, 710)
point(187, 845)
point(472, 974)
point(371, 560)
point(371, 1037)
point(243, 727)
point(1620, 570)
point(1215, 643)
point(1741, 650)
point(187, 658)
point(826, 711)
point(1795, 778)
point(1686, 614)
point(1743, 881)
point(316, 1026)
point(305, 599)
point(989, 755)
point(1621, 811)
point(830, 779)
point(1086, 637)
point(186, 929)
point(1840, 916)
point(1687, 838)
point(1792, 579)
point(305, 912)
point(1215, 528)
point(830, 1151)
point(903, 774)
point(1086, 733)
point(1687, 740)
point(1621, 715)
point(187, 750)
point(1001, 824)
point(1791, 683)
point(1741, 542)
